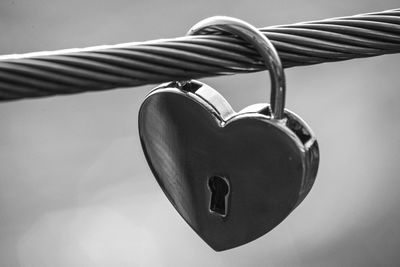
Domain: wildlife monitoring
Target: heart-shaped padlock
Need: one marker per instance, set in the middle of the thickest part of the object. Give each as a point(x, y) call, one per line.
point(232, 176)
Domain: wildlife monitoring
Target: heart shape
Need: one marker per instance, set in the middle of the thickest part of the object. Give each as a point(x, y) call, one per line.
point(191, 135)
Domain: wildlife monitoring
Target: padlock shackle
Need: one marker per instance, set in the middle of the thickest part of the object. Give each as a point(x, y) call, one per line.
point(264, 47)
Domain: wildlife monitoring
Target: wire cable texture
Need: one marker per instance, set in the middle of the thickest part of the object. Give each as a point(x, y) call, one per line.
point(211, 54)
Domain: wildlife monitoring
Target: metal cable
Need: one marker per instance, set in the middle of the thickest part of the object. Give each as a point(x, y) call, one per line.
point(133, 64)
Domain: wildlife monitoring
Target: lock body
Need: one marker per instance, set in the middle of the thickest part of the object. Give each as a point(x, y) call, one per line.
point(232, 176)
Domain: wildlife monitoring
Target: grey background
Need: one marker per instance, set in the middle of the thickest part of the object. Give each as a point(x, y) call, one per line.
point(75, 189)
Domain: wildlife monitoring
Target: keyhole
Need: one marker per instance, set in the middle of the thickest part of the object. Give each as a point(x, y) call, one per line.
point(219, 188)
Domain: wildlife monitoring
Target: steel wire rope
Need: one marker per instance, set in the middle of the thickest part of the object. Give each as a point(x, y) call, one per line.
point(133, 64)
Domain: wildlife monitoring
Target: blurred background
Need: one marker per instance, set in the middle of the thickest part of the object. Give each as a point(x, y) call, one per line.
point(75, 189)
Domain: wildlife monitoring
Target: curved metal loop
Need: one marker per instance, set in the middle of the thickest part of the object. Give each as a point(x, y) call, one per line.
point(264, 47)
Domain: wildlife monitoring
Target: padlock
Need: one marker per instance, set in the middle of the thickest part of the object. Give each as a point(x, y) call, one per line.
point(233, 176)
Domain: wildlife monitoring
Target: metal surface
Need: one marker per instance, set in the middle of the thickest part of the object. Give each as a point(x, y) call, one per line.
point(263, 46)
point(232, 176)
point(105, 67)
point(270, 165)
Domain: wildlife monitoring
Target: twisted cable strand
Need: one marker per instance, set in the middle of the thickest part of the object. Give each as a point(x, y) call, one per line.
point(133, 64)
